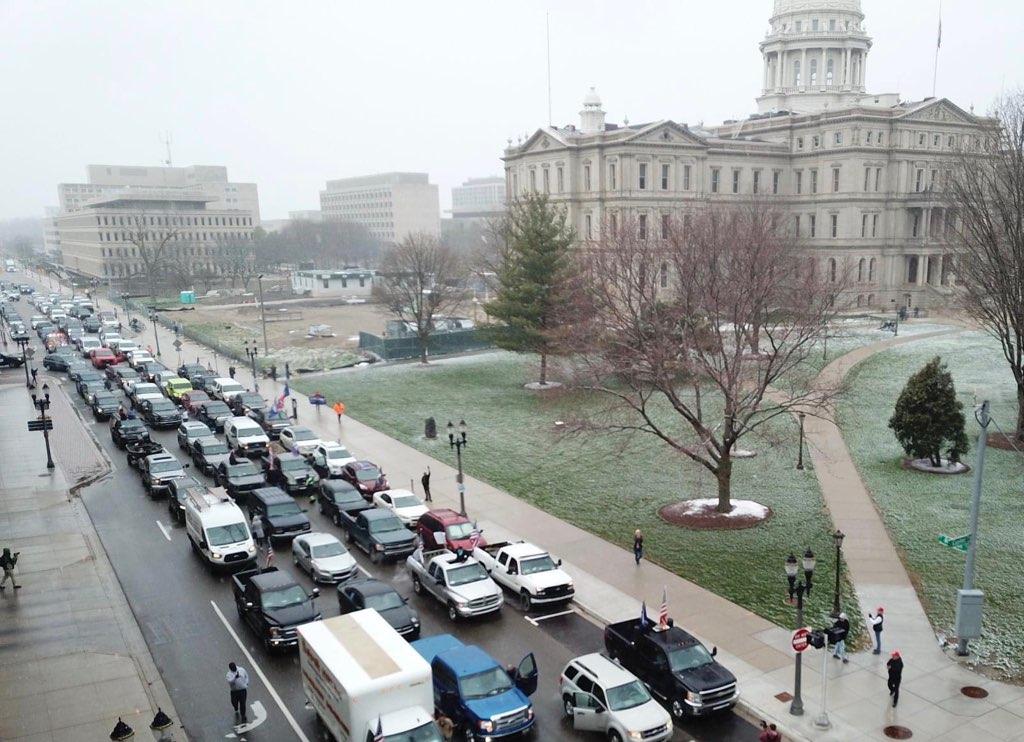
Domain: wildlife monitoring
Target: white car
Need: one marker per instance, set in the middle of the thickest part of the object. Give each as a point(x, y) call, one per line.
point(324, 557)
point(225, 388)
point(299, 438)
point(402, 503)
point(142, 391)
point(330, 457)
point(89, 343)
point(109, 338)
point(137, 357)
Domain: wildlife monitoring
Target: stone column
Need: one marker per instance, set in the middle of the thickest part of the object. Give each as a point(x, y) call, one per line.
point(846, 67)
point(803, 70)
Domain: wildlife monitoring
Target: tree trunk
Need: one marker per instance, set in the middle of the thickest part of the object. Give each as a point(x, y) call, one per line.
point(1020, 412)
point(543, 369)
point(423, 348)
point(724, 477)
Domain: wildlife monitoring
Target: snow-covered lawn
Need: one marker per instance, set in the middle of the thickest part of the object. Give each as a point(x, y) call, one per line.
point(607, 485)
point(919, 507)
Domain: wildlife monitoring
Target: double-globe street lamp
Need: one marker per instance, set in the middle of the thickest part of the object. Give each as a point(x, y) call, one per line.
point(251, 353)
point(22, 342)
point(456, 440)
point(837, 538)
point(43, 404)
point(798, 588)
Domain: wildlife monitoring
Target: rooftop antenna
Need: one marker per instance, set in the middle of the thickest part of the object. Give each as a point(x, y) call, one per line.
point(166, 139)
point(547, 21)
point(938, 45)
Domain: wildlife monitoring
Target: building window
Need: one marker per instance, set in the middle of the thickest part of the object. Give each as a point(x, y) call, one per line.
point(919, 180)
point(799, 181)
point(799, 26)
point(614, 222)
point(816, 141)
point(835, 180)
point(547, 181)
point(814, 181)
point(796, 224)
point(878, 179)
point(533, 180)
point(813, 224)
point(755, 184)
point(834, 225)
point(664, 226)
point(735, 181)
point(860, 272)
point(871, 136)
point(831, 24)
point(864, 225)
point(814, 72)
point(588, 228)
point(686, 177)
point(912, 269)
point(832, 270)
point(915, 224)
point(867, 178)
point(933, 180)
point(796, 70)
point(951, 142)
point(611, 176)
point(799, 142)
point(814, 24)
point(715, 175)
point(642, 226)
point(775, 181)
point(874, 225)
point(920, 139)
point(664, 275)
point(838, 137)
point(642, 177)
point(561, 180)
point(515, 183)
point(664, 177)
point(871, 270)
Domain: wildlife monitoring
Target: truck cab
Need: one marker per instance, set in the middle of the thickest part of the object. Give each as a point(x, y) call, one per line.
point(330, 458)
point(381, 535)
point(274, 605)
point(476, 692)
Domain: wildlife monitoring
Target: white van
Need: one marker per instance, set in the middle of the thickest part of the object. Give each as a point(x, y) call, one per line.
point(225, 388)
point(245, 436)
point(217, 529)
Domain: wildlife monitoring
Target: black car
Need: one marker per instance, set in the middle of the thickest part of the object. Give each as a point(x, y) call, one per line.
point(151, 369)
point(186, 370)
point(357, 595)
point(85, 378)
point(272, 426)
point(104, 405)
point(91, 324)
point(282, 517)
point(77, 368)
point(126, 376)
point(239, 479)
point(55, 361)
point(208, 453)
point(130, 430)
point(45, 328)
point(242, 404)
point(160, 413)
point(213, 413)
point(203, 381)
point(7, 361)
point(340, 501)
point(178, 491)
point(88, 388)
point(114, 369)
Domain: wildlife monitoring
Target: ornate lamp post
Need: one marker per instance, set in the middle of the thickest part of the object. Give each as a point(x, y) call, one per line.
point(796, 708)
point(800, 456)
point(837, 537)
point(156, 335)
point(456, 440)
point(43, 404)
point(250, 353)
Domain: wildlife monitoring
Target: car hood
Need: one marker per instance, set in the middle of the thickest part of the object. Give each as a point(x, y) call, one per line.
point(393, 537)
point(148, 395)
point(165, 476)
point(307, 446)
point(551, 578)
point(398, 618)
point(285, 521)
point(474, 590)
point(248, 440)
point(336, 465)
point(706, 677)
point(488, 708)
point(340, 563)
point(246, 479)
point(293, 614)
point(300, 477)
point(411, 513)
point(214, 459)
point(645, 716)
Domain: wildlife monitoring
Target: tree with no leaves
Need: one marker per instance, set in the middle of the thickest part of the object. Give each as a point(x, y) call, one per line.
point(986, 193)
point(663, 323)
point(533, 276)
point(422, 279)
point(153, 238)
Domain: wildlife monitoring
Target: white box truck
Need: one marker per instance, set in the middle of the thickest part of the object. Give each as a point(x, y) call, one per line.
point(358, 672)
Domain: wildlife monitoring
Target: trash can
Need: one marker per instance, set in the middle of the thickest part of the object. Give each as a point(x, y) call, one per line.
point(430, 428)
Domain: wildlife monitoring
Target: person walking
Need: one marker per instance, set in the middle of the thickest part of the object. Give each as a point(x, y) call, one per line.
point(638, 545)
point(259, 533)
point(295, 409)
point(7, 562)
point(238, 682)
point(231, 371)
point(34, 372)
point(876, 625)
point(339, 410)
point(895, 668)
point(769, 733)
point(425, 481)
point(842, 627)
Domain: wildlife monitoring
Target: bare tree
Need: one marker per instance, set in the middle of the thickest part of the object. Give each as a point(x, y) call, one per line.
point(423, 279)
point(238, 258)
point(662, 324)
point(986, 194)
point(153, 238)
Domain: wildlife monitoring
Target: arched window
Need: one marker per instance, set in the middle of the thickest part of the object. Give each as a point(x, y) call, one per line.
point(796, 72)
point(664, 275)
point(871, 300)
point(832, 270)
point(871, 270)
point(860, 272)
point(814, 72)
point(830, 67)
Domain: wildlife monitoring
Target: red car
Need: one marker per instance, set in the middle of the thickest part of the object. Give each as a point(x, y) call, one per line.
point(366, 477)
point(103, 357)
point(193, 399)
point(458, 531)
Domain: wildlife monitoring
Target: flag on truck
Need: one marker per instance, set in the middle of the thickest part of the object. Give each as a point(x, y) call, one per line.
point(474, 537)
point(378, 736)
point(277, 409)
point(663, 610)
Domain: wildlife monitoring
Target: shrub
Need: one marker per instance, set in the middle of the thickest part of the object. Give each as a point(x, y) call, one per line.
point(928, 417)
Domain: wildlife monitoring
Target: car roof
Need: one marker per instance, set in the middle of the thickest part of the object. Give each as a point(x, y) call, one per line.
point(277, 578)
point(154, 457)
point(378, 514)
point(340, 485)
point(447, 516)
point(291, 456)
point(606, 672)
point(195, 424)
point(272, 494)
point(300, 429)
point(319, 538)
point(363, 464)
point(370, 586)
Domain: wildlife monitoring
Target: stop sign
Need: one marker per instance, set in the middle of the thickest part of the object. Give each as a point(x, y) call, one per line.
point(801, 639)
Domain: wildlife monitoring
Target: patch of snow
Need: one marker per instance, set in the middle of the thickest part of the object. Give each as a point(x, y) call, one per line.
point(740, 508)
point(947, 466)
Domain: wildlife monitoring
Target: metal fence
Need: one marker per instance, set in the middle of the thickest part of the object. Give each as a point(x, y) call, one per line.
point(442, 343)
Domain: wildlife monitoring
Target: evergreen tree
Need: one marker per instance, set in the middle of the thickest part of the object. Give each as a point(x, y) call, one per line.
point(533, 277)
point(928, 417)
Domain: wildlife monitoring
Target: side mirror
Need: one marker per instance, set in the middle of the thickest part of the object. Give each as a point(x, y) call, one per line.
point(187, 466)
point(714, 651)
point(558, 563)
point(599, 709)
point(305, 510)
point(316, 592)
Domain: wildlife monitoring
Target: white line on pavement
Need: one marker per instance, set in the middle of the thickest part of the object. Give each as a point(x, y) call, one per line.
point(545, 617)
point(273, 693)
point(163, 530)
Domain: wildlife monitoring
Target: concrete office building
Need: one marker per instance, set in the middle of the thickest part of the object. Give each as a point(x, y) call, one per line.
point(390, 205)
point(51, 233)
point(861, 174)
point(479, 198)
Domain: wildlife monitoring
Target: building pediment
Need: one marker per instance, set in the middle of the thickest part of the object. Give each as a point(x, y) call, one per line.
point(543, 140)
point(940, 110)
point(666, 132)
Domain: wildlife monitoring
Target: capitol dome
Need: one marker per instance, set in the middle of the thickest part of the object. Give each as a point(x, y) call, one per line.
point(592, 98)
point(824, 6)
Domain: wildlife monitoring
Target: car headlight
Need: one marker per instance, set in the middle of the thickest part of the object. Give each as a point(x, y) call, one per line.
point(486, 725)
point(251, 549)
point(529, 713)
point(274, 631)
point(414, 621)
point(693, 697)
point(635, 735)
point(378, 547)
point(215, 554)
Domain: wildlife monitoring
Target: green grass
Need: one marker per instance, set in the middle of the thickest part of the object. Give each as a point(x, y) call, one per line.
point(606, 485)
point(230, 339)
point(918, 507)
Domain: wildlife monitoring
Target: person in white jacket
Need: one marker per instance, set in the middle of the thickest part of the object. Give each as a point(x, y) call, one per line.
point(238, 682)
point(876, 622)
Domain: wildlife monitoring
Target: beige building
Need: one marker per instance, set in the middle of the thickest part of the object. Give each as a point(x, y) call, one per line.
point(479, 198)
point(861, 174)
point(390, 205)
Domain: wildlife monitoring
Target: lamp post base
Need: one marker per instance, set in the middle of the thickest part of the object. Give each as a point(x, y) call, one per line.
point(822, 722)
point(796, 708)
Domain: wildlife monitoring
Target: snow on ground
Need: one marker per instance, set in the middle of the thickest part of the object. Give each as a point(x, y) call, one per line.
point(740, 508)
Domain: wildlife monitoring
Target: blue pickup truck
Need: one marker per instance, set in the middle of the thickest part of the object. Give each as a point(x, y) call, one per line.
point(476, 692)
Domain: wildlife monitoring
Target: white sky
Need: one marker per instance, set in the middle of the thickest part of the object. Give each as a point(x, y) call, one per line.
point(292, 93)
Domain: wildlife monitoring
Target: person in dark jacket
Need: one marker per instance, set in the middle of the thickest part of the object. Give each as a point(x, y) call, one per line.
point(638, 545)
point(7, 562)
point(895, 667)
point(842, 627)
point(877, 620)
point(425, 481)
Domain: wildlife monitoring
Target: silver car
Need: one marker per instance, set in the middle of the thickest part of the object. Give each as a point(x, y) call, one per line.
point(324, 557)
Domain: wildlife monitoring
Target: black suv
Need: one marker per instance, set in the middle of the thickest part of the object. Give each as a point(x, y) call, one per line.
point(208, 453)
point(239, 479)
point(131, 430)
point(340, 501)
point(282, 517)
point(246, 402)
point(160, 413)
point(105, 405)
point(213, 413)
point(272, 426)
point(177, 493)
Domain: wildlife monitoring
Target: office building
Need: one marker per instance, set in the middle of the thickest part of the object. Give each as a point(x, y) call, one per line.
point(390, 206)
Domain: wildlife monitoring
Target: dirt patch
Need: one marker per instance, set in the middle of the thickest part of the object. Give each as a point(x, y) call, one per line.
point(701, 515)
point(924, 466)
point(1005, 442)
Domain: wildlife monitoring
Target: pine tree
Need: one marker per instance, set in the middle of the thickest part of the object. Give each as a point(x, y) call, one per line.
point(533, 277)
point(928, 417)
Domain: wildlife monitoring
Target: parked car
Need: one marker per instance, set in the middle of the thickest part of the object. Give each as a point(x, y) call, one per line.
point(341, 502)
point(282, 517)
point(402, 503)
point(291, 472)
point(104, 405)
point(189, 430)
point(160, 413)
point(186, 370)
point(130, 430)
point(272, 424)
point(208, 453)
point(224, 388)
point(458, 581)
point(88, 387)
point(153, 370)
point(55, 362)
point(214, 414)
point(127, 378)
point(240, 478)
point(87, 344)
point(381, 535)
point(358, 595)
point(323, 557)
point(103, 357)
point(245, 436)
point(177, 492)
point(459, 531)
point(142, 391)
point(157, 470)
point(193, 399)
point(366, 477)
point(330, 458)
point(299, 439)
point(175, 387)
point(274, 605)
point(139, 357)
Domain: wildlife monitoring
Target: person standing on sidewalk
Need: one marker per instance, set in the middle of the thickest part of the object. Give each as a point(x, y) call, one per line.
point(7, 562)
point(638, 545)
point(842, 627)
point(895, 668)
point(295, 409)
point(425, 481)
point(238, 682)
point(339, 410)
point(876, 625)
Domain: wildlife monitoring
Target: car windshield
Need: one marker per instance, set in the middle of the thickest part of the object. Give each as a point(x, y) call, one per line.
point(406, 501)
point(384, 525)
point(458, 531)
point(537, 564)
point(627, 696)
point(252, 400)
point(349, 499)
point(232, 533)
point(126, 373)
point(243, 470)
point(384, 601)
point(141, 389)
point(466, 573)
point(247, 430)
point(283, 508)
point(215, 446)
point(304, 435)
point(163, 407)
point(231, 387)
point(293, 464)
point(370, 474)
point(132, 424)
point(322, 551)
point(426, 733)
point(198, 432)
point(217, 409)
point(491, 682)
point(105, 399)
point(163, 466)
point(339, 453)
point(292, 595)
point(687, 658)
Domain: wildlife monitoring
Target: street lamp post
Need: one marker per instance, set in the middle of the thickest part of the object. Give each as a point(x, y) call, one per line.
point(800, 456)
point(23, 344)
point(796, 708)
point(250, 353)
point(837, 537)
point(156, 335)
point(896, 327)
point(456, 440)
point(43, 404)
point(263, 314)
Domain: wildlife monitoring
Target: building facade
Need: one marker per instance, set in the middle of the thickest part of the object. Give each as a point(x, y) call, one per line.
point(861, 174)
point(479, 198)
point(390, 206)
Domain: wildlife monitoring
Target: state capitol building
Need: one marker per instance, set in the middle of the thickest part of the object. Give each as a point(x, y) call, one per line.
point(860, 173)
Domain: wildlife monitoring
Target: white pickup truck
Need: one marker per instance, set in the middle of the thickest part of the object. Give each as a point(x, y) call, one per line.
point(528, 571)
point(461, 583)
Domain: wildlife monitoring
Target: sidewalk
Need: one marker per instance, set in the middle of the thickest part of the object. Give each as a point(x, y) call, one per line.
point(72, 658)
point(610, 586)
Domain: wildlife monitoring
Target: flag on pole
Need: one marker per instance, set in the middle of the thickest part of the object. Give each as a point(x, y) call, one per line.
point(278, 407)
point(663, 610)
point(378, 736)
point(643, 614)
point(474, 537)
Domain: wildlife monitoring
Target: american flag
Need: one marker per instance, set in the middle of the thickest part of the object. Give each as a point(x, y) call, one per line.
point(663, 610)
point(378, 736)
point(278, 408)
point(643, 614)
point(474, 537)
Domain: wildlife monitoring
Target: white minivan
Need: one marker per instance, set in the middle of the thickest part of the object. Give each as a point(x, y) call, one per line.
point(217, 529)
point(245, 436)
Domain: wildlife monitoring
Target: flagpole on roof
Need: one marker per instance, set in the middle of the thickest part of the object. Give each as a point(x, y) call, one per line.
point(938, 45)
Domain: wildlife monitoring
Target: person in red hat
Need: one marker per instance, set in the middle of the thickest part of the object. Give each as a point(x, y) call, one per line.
point(876, 621)
point(895, 667)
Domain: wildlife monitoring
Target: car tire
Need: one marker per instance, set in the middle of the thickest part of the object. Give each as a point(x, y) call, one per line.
point(376, 557)
point(337, 519)
point(614, 736)
point(677, 710)
point(349, 537)
point(453, 615)
point(525, 601)
point(567, 706)
point(417, 586)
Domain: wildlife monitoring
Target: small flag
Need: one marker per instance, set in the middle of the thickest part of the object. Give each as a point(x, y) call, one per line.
point(278, 407)
point(663, 610)
point(643, 614)
point(270, 556)
point(378, 736)
point(474, 537)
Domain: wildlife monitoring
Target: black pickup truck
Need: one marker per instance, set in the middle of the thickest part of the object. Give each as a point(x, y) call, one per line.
point(291, 472)
point(679, 671)
point(274, 605)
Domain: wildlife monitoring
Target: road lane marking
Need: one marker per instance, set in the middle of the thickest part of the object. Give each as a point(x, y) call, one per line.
point(537, 619)
point(266, 681)
point(259, 716)
point(163, 530)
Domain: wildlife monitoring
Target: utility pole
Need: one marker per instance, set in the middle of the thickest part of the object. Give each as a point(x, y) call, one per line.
point(968, 604)
point(263, 316)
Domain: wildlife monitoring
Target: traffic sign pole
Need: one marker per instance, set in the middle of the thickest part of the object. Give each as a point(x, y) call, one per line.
point(972, 544)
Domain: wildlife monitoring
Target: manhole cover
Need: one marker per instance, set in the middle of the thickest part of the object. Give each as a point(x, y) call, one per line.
point(973, 691)
point(897, 732)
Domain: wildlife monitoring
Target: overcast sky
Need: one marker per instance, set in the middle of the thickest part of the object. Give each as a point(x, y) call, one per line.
point(290, 94)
